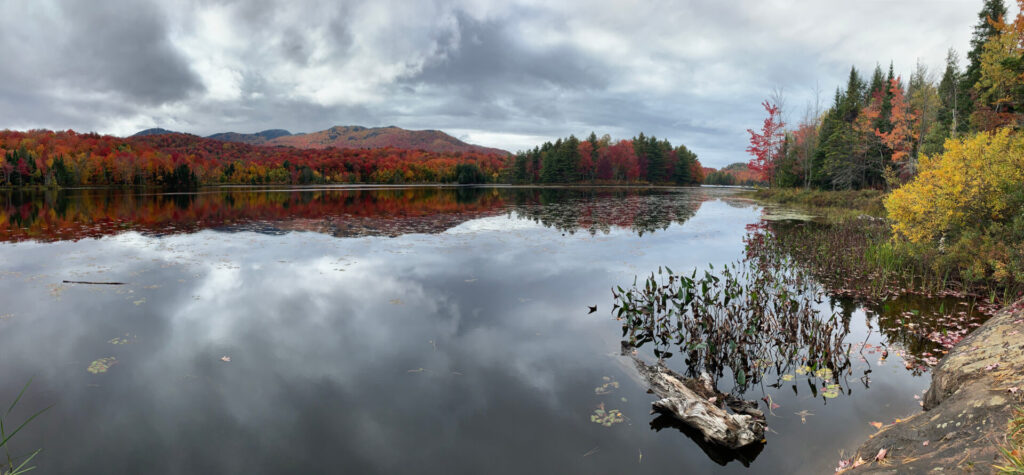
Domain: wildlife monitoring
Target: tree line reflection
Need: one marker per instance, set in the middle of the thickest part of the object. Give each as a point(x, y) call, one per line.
point(58, 215)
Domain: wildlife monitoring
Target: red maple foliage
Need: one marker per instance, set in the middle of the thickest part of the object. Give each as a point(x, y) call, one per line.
point(766, 145)
point(46, 157)
point(902, 138)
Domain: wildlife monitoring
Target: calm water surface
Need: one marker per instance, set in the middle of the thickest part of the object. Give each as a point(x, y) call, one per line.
point(416, 330)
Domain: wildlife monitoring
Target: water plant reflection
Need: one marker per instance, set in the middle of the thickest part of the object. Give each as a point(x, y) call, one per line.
point(915, 310)
point(754, 316)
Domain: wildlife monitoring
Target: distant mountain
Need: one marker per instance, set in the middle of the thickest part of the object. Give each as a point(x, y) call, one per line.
point(259, 138)
point(354, 136)
point(154, 131)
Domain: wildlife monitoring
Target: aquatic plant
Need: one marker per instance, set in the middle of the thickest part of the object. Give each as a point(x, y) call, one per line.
point(5, 437)
point(101, 365)
point(749, 316)
point(606, 418)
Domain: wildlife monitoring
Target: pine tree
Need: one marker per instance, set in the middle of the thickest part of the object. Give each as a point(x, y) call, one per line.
point(991, 10)
point(950, 111)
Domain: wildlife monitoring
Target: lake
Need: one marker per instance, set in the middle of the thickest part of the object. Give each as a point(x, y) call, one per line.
point(388, 330)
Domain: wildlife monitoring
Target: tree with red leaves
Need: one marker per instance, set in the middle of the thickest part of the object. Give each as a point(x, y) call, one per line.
point(902, 138)
point(767, 145)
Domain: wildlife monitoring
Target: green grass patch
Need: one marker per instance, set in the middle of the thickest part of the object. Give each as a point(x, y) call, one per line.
point(1012, 451)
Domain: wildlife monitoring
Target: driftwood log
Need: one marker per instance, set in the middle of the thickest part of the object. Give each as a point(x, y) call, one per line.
point(85, 282)
point(697, 404)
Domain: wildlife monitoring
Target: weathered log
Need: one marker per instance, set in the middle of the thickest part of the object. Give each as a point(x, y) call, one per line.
point(690, 401)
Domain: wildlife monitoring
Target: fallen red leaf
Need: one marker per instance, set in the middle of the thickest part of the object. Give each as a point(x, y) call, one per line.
point(881, 454)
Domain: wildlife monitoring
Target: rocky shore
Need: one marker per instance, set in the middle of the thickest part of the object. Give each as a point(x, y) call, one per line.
point(974, 390)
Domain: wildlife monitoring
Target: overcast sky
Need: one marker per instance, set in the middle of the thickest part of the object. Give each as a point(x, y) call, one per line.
point(497, 73)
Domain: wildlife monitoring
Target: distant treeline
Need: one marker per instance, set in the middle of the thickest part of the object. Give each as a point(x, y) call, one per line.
point(47, 158)
point(173, 160)
point(735, 174)
point(642, 159)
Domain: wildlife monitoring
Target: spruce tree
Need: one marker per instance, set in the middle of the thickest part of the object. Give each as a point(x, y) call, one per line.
point(991, 10)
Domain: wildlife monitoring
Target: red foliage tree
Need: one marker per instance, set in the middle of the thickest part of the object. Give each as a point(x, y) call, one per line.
point(767, 145)
point(902, 138)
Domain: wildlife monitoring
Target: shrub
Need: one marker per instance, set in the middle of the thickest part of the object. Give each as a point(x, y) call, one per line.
point(968, 203)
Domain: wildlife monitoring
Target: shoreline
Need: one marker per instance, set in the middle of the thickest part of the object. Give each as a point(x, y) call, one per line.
point(973, 392)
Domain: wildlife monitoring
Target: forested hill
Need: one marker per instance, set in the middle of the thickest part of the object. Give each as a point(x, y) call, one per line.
point(259, 138)
point(378, 137)
point(68, 158)
point(351, 136)
point(733, 174)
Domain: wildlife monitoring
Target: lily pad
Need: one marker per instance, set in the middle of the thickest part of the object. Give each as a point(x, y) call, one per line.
point(831, 391)
point(101, 365)
point(609, 386)
point(118, 340)
point(606, 418)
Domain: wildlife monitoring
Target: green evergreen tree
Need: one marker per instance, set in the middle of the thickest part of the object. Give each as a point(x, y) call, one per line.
point(991, 10)
point(950, 113)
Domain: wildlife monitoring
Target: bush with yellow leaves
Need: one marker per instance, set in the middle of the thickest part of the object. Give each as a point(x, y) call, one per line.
point(968, 204)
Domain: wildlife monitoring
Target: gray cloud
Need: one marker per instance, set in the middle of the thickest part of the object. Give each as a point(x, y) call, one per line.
point(485, 57)
point(119, 49)
point(504, 74)
point(122, 47)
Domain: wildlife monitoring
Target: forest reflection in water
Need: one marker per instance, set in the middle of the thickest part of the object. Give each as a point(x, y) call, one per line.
point(372, 328)
point(55, 215)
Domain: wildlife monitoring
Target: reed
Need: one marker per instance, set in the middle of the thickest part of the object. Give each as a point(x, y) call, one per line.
point(5, 438)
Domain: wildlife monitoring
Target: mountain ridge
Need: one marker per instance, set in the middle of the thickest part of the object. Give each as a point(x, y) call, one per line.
point(349, 136)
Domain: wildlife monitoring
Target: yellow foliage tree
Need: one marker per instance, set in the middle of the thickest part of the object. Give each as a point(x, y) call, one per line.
point(1001, 84)
point(972, 184)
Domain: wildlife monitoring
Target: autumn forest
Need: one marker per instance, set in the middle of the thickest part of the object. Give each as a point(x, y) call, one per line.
point(174, 160)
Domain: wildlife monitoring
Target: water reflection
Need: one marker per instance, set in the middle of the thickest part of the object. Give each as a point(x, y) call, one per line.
point(921, 326)
point(342, 212)
point(457, 344)
point(599, 211)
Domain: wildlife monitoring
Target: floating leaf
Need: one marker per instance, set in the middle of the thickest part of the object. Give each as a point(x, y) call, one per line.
point(606, 418)
point(607, 387)
point(101, 365)
point(787, 377)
